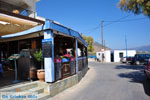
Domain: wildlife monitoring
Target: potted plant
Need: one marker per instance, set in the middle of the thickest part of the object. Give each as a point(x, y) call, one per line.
point(32, 73)
point(40, 72)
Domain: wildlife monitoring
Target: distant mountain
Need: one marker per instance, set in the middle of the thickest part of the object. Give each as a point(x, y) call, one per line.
point(97, 46)
point(142, 48)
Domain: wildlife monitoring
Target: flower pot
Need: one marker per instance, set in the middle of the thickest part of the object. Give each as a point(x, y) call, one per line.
point(41, 75)
point(32, 73)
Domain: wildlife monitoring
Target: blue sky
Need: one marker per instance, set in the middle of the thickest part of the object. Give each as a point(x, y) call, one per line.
point(85, 15)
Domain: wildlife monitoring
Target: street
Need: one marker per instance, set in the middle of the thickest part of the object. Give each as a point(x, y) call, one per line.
point(109, 81)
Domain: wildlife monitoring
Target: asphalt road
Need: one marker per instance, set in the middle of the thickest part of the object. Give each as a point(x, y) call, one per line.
point(109, 81)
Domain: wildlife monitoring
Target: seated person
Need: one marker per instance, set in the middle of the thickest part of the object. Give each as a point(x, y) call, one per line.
point(66, 54)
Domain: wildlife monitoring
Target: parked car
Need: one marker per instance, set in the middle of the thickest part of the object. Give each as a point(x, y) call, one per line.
point(123, 59)
point(147, 70)
point(139, 59)
point(129, 60)
point(126, 59)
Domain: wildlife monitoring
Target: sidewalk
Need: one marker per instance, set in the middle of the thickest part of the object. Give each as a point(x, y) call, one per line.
point(73, 91)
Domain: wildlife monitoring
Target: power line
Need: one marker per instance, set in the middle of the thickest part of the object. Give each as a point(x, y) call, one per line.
point(112, 22)
point(93, 29)
point(123, 21)
point(127, 20)
point(117, 20)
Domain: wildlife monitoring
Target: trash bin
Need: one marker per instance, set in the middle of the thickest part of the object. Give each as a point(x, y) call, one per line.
point(72, 64)
point(58, 74)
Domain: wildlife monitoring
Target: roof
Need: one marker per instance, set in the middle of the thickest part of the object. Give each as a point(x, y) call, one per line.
point(53, 26)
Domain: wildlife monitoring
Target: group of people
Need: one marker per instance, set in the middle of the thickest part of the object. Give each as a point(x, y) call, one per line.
point(63, 52)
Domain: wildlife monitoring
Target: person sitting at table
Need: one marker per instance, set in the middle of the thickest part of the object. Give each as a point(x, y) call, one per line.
point(66, 54)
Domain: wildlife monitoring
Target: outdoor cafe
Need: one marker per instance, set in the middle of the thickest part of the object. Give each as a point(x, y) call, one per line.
point(51, 50)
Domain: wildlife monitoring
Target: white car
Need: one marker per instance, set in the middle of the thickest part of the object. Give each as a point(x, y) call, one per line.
point(123, 60)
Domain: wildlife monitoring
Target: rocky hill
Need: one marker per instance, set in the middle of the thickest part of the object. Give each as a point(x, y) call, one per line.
point(142, 48)
point(97, 47)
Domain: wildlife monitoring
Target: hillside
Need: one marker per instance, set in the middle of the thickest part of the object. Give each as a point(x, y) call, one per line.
point(97, 47)
point(142, 48)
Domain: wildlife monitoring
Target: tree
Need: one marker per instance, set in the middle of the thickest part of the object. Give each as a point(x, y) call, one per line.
point(90, 41)
point(84, 37)
point(136, 6)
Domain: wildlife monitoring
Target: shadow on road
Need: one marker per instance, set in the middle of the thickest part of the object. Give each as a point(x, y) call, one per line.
point(136, 76)
point(134, 67)
point(146, 85)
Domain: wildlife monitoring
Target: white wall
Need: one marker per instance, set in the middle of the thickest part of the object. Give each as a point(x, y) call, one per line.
point(129, 53)
point(107, 56)
point(98, 55)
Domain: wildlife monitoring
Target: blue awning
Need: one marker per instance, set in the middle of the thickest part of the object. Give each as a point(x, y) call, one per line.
point(50, 25)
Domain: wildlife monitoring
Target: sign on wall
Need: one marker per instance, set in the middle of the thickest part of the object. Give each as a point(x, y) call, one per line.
point(47, 48)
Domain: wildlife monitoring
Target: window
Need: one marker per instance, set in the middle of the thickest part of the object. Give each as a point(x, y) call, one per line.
point(147, 56)
point(120, 55)
point(141, 55)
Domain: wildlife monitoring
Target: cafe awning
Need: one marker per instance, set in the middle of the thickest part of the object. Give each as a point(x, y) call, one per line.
point(9, 28)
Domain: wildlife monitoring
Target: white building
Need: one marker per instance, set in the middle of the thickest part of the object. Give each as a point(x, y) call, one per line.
point(117, 54)
point(104, 56)
point(114, 55)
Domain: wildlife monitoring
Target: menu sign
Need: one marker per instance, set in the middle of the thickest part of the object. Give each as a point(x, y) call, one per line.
point(47, 48)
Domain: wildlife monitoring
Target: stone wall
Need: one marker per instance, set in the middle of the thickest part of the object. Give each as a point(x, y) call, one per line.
point(54, 88)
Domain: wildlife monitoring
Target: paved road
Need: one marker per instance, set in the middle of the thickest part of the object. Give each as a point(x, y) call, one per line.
point(109, 81)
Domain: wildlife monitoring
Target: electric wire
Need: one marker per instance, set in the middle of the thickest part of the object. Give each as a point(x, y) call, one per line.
point(117, 20)
point(112, 22)
point(127, 20)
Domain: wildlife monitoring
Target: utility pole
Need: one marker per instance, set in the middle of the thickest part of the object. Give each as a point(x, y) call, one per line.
point(102, 32)
point(104, 44)
point(126, 45)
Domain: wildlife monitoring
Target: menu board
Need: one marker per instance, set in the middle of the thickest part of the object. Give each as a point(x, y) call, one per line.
point(47, 48)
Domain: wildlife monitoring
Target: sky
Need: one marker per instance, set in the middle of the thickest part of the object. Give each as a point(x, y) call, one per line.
point(85, 16)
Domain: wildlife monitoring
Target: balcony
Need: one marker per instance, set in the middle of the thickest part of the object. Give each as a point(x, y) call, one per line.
point(16, 9)
point(15, 19)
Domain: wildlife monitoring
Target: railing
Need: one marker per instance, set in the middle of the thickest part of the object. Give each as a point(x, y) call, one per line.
point(15, 9)
point(82, 62)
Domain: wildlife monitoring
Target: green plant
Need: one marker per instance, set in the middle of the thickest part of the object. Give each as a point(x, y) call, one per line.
point(39, 57)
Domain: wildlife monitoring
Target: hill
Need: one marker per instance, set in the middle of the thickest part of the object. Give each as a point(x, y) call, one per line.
point(97, 47)
point(142, 48)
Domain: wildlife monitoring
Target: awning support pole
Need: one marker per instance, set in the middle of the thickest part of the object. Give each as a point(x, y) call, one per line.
point(49, 61)
point(77, 66)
